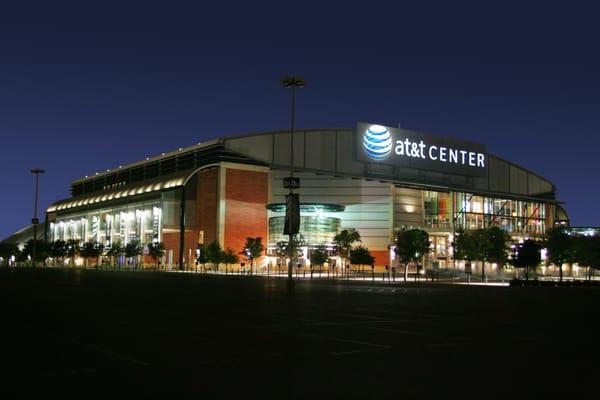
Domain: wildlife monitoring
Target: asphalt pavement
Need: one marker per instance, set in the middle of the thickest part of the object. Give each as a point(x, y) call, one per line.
point(68, 333)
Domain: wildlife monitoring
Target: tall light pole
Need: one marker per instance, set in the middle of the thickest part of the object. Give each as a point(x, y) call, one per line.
point(293, 203)
point(35, 221)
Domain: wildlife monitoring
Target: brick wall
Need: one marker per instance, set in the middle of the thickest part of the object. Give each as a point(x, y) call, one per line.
point(246, 194)
point(171, 242)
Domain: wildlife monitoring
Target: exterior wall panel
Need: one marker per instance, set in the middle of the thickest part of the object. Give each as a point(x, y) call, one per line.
point(368, 204)
point(258, 147)
point(499, 175)
point(408, 207)
point(518, 180)
point(320, 150)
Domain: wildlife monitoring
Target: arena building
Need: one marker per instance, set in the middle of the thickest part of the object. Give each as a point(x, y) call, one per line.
point(372, 178)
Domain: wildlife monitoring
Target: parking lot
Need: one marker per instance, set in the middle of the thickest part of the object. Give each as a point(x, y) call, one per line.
point(74, 332)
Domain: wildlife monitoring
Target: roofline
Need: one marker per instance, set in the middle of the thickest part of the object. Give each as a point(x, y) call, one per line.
point(222, 139)
point(525, 169)
point(199, 145)
point(181, 150)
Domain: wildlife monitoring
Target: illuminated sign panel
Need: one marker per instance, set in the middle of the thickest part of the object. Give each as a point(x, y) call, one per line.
point(385, 145)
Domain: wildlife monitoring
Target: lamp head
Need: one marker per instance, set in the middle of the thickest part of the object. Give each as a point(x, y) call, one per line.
point(288, 81)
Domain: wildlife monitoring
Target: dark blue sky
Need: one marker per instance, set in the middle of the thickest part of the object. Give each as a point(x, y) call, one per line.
point(84, 88)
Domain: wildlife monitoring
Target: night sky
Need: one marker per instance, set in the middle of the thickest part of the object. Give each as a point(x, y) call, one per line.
point(83, 88)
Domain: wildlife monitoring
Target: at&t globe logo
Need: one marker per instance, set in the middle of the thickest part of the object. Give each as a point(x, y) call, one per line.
point(377, 142)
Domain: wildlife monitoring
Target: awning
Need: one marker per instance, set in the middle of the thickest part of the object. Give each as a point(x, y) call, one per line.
point(147, 186)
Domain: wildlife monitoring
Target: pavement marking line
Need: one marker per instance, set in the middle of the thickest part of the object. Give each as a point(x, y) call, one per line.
point(363, 316)
point(279, 316)
point(415, 333)
point(332, 338)
point(348, 323)
point(418, 316)
point(205, 339)
point(105, 351)
point(344, 353)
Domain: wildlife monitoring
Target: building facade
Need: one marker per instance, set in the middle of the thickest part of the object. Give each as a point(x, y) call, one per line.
point(372, 178)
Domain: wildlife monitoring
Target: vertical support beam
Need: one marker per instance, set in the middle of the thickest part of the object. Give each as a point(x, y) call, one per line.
point(221, 204)
point(182, 229)
point(453, 200)
point(46, 229)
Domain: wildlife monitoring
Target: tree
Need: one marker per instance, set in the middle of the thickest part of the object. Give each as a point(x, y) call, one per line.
point(229, 257)
point(7, 250)
point(497, 247)
point(281, 251)
point(42, 249)
point(319, 256)
point(527, 255)
point(91, 249)
point(344, 241)
point(253, 249)
point(202, 257)
point(156, 251)
point(58, 250)
point(411, 246)
point(594, 254)
point(72, 249)
point(361, 255)
point(481, 245)
point(114, 251)
point(560, 248)
point(472, 245)
point(214, 254)
point(587, 253)
point(133, 249)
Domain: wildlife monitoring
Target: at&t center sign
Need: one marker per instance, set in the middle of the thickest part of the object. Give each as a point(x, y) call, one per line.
point(377, 143)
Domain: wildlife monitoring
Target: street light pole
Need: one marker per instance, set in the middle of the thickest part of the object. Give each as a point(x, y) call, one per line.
point(35, 221)
point(292, 82)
